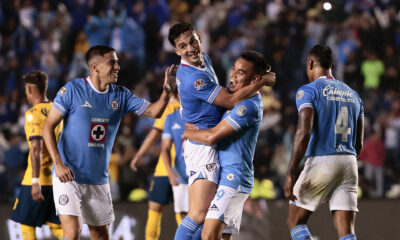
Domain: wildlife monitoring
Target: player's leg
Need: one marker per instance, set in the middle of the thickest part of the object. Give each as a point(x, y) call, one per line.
point(344, 223)
point(212, 229)
point(71, 226)
point(297, 222)
point(201, 193)
point(99, 232)
point(153, 224)
point(28, 232)
point(181, 201)
point(56, 230)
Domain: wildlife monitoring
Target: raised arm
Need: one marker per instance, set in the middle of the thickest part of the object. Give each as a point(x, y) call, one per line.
point(301, 139)
point(36, 156)
point(229, 100)
point(209, 136)
point(156, 109)
point(64, 173)
point(360, 135)
point(148, 143)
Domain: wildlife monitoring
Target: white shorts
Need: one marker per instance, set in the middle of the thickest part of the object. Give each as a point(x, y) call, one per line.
point(333, 178)
point(201, 162)
point(91, 202)
point(227, 206)
point(181, 198)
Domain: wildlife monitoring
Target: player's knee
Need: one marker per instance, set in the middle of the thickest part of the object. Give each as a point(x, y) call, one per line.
point(291, 223)
point(208, 235)
point(198, 216)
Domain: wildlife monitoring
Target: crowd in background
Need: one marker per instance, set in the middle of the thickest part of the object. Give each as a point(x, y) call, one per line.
point(54, 35)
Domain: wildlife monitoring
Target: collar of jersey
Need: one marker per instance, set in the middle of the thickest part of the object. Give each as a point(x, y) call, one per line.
point(188, 64)
point(94, 89)
point(328, 77)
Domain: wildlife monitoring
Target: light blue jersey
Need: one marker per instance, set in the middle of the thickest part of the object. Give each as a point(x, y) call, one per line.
point(237, 151)
point(174, 127)
point(91, 121)
point(198, 88)
point(337, 108)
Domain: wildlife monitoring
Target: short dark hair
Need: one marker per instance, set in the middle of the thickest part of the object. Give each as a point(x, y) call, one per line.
point(177, 29)
point(323, 55)
point(96, 51)
point(258, 60)
point(37, 78)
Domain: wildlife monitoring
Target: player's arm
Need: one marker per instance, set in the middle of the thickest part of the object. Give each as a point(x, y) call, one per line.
point(301, 139)
point(209, 136)
point(148, 143)
point(36, 156)
point(359, 135)
point(64, 173)
point(229, 100)
point(166, 145)
point(156, 109)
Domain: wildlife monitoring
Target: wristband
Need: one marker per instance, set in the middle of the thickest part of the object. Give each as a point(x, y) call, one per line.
point(35, 180)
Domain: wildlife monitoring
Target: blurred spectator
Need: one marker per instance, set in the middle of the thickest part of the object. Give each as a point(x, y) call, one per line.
point(372, 69)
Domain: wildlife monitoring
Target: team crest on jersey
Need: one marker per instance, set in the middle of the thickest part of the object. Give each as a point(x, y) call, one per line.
point(300, 94)
point(199, 84)
point(241, 111)
point(211, 167)
point(29, 118)
point(230, 176)
point(63, 90)
point(63, 199)
point(114, 104)
point(98, 132)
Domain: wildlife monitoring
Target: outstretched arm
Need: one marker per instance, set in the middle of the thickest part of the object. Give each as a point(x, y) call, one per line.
point(209, 136)
point(148, 143)
point(229, 100)
point(301, 139)
point(64, 173)
point(156, 109)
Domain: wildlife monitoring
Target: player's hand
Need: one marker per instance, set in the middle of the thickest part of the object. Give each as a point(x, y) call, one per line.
point(191, 126)
point(64, 173)
point(36, 193)
point(173, 178)
point(170, 78)
point(268, 78)
point(135, 161)
point(288, 187)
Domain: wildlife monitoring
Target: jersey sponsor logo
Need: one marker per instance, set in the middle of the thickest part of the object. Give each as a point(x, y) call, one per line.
point(211, 167)
point(63, 199)
point(336, 94)
point(98, 132)
point(63, 90)
point(300, 95)
point(87, 104)
point(114, 104)
point(29, 118)
point(230, 176)
point(213, 208)
point(241, 111)
point(44, 111)
point(198, 84)
point(176, 126)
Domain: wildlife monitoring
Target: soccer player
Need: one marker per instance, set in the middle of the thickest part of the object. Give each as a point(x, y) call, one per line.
point(237, 137)
point(201, 100)
point(160, 192)
point(92, 108)
point(330, 133)
point(35, 205)
point(173, 136)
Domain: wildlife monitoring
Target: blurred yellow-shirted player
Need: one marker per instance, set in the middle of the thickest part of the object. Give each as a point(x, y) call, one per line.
point(35, 205)
point(160, 191)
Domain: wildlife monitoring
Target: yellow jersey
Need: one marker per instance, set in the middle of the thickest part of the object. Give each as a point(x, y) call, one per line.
point(160, 170)
point(34, 121)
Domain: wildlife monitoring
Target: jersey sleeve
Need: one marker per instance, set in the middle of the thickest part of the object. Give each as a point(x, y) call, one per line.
point(305, 97)
point(167, 134)
point(133, 103)
point(200, 86)
point(33, 124)
point(63, 99)
point(242, 115)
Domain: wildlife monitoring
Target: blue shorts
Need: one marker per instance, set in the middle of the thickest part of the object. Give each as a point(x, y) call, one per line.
point(31, 213)
point(160, 190)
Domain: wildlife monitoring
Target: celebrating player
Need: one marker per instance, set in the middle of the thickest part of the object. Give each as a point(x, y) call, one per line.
point(160, 192)
point(35, 205)
point(92, 108)
point(330, 133)
point(237, 136)
point(201, 100)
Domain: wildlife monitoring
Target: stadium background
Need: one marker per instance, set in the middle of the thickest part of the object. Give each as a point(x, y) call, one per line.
point(364, 35)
